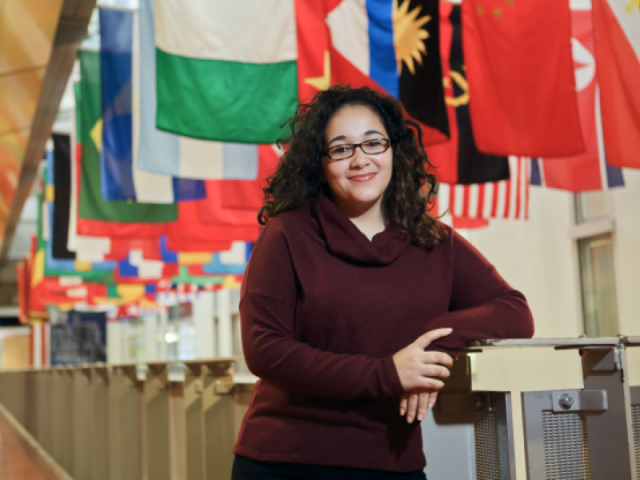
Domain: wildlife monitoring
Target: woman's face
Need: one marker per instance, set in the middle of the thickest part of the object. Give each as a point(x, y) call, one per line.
point(358, 183)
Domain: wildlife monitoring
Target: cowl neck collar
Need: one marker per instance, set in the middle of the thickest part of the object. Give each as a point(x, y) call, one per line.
point(346, 241)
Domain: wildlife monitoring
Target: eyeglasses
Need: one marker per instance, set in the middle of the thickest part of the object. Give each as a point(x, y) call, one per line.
point(348, 150)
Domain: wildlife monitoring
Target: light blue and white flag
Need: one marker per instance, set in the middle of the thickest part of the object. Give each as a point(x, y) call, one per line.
point(230, 262)
point(120, 181)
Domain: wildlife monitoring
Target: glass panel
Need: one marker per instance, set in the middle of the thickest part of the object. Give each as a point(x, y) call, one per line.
point(592, 206)
point(598, 286)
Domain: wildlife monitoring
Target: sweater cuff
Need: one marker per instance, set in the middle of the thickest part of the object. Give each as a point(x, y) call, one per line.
point(390, 384)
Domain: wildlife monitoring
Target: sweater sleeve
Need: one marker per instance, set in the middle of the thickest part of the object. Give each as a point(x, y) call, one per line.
point(483, 305)
point(267, 312)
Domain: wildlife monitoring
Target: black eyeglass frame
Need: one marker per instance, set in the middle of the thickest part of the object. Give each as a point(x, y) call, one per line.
point(353, 146)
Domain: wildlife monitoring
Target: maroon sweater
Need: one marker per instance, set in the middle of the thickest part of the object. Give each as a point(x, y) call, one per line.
point(323, 310)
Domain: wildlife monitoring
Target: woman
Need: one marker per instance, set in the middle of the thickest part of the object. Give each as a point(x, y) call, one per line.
point(350, 296)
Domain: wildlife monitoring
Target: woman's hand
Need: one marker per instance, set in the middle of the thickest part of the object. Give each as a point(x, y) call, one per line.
point(416, 368)
point(416, 403)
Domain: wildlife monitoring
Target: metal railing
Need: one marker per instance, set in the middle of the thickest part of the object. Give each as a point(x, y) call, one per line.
point(180, 420)
point(118, 422)
point(588, 433)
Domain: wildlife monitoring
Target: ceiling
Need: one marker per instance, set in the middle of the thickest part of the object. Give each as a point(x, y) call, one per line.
point(38, 43)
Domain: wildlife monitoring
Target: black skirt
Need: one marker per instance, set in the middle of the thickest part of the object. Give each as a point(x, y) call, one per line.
point(246, 469)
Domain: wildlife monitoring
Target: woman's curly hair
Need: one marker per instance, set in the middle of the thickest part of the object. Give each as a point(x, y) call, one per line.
point(299, 177)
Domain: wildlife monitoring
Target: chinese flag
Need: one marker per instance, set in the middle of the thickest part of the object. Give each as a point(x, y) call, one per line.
point(520, 74)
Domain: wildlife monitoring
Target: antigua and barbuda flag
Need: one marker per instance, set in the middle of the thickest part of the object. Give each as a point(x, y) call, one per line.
point(617, 39)
point(589, 170)
point(391, 46)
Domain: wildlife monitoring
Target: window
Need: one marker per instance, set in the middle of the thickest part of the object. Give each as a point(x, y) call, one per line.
point(594, 234)
point(599, 304)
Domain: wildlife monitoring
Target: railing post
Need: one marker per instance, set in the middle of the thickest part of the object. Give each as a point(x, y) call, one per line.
point(83, 429)
point(177, 422)
point(64, 425)
point(194, 419)
point(157, 430)
point(610, 433)
point(125, 426)
point(99, 397)
point(219, 418)
point(31, 402)
point(43, 408)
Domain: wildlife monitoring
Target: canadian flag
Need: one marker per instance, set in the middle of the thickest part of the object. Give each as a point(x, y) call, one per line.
point(617, 39)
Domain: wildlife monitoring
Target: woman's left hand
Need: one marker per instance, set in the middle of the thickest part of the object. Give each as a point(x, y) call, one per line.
point(416, 403)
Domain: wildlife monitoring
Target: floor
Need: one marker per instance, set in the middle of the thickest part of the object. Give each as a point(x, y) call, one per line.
point(18, 459)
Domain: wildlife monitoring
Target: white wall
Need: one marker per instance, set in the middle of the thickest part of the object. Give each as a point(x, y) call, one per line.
point(536, 256)
point(539, 258)
point(626, 208)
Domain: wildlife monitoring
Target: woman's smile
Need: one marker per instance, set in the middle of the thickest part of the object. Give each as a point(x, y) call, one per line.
point(362, 177)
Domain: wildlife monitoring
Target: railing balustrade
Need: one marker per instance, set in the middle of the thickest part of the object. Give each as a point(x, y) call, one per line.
point(180, 420)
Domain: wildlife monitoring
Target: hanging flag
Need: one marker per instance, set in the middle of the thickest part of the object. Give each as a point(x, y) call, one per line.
point(89, 248)
point(120, 84)
point(216, 83)
point(116, 28)
point(472, 206)
point(459, 161)
point(187, 258)
point(617, 35)
point(97, 216)
point(212, 211)
point(164, 153)
point(86, 248)
point(45, 290)
point(233, 261)
point(23, 276)
point(61, 207)
point(247, 195)
point(187, 283)
point(135, 268)
point(124, 294)
point(189, 234)
point(390, 46)
point(588, 170)
point(512, 50)
point(397, 45)
point(90, 272)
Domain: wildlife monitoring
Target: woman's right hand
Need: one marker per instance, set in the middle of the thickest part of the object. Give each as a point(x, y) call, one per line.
point(416, 368)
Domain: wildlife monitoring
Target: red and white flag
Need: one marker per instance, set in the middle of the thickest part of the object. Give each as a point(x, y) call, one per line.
point(617, 39)
point(471, 206)
point(585, 171)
